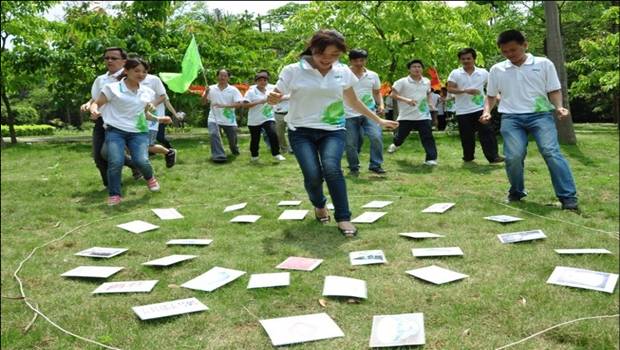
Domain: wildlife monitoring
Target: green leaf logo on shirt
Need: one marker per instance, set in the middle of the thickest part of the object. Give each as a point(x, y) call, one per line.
point(141, 124)
point(267, 111)
point(478, 100)
point(334, 114)
point(423, 106)
point(542, 104)
point(450, 104)
point(368, 101)
point(229, 114)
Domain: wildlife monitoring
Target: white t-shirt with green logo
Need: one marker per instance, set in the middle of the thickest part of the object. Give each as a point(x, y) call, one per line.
point(368, 82)
point(316, 101)
point(260, 113)
point(466, 103)
point(227, 96)
point(417, 91)
point(524, 89)
point(125, 108)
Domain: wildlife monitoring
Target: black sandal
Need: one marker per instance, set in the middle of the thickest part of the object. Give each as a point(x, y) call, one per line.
point(348, 233)
point(323, 220)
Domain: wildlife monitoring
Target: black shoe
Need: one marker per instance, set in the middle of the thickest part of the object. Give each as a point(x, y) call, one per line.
point(379, 171)
point(498, 160)
point(236, 152)
point(513, 198)
point(171, 158)
point(135, 173)
point(570, 204)
point(354, 173)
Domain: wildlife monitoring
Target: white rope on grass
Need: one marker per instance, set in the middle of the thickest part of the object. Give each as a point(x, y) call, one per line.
point(556, 326)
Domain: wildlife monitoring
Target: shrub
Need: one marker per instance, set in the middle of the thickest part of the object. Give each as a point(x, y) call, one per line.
point(24, 115)
point(29, 130)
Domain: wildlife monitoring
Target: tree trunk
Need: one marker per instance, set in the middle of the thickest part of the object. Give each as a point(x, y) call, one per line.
point(555, 52)
point(9, 111)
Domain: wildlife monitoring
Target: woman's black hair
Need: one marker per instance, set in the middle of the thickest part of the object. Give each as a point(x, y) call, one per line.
point(131, 63)
point(324, 38)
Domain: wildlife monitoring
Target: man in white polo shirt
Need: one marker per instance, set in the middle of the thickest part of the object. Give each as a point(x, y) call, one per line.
point(357, 125)
point(467, 84)
point(224, 98)
point(413, 94)
point(530, 92)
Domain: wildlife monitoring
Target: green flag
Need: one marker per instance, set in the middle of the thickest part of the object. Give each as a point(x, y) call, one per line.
point(179, 82)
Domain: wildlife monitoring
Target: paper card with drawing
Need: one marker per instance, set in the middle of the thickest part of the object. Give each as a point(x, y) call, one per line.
point(367, 257)
point(300, 329)
point(101, 252)
point(299, 263)
point(213, 279)
point(521, 236)
point(397, 330)
point(441, 251)
point(126, 287)
point(169, 308)
point(581, 278)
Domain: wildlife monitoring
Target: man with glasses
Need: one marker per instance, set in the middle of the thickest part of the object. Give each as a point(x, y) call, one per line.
point(114, 58)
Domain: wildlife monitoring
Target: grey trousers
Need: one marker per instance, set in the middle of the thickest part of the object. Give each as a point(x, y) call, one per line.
point(217, 149)
point(281, 132)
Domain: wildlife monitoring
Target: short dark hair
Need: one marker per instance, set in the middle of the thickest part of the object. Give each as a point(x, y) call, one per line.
point(114, 48)
point(415, 60)
point(357, 53)
point(217, 74)
point(465, 51)
point(324, 38)
point(510, 35)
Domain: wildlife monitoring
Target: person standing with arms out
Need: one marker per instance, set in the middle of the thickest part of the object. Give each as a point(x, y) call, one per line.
point(319, 86)
point(154, 83)
point(467, 84)
point(125, 118)
point(367, 90)
point(260, 116)
point(114, 58)
point(224, 98)
point(530, 93)
point(413, 95)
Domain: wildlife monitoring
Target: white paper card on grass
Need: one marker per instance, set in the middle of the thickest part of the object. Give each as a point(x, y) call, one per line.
point(504, 219)
point(169, 308)
point(377, 204)
point(336, 286)
point(267, 280)
point(436, 274)
point(101, 252)
point(189, 241)
point(235, 207)
point(288, 203)
point(92, 271)
point(213, 279)
point(367, 257)
point(137, 226)
point(167, 214)
point(368, 217)
point(442, 251)
point(299, 263)
point(420, 235)
point(245, 218)
point(438, 208)
point(169, 260)
point(397, 330)
point(300, 329)
point(126, 287)
point(583, 251)
point(581, 278)
point(293, 215)
point(522, 236)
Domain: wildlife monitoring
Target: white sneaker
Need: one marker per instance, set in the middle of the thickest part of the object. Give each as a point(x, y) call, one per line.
point(431, 162)
point(279, 157)
point(392, 148)
point(254, 159)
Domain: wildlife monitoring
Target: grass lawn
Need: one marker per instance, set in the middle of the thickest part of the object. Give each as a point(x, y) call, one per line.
point(49, 189)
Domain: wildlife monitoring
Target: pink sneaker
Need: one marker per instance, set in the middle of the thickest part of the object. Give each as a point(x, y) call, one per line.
point(152, 184)
point(114, 200)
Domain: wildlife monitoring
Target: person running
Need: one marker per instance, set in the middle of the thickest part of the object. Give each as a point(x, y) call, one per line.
point(319, 86)
point(413, 95)
point(260, 116)
point(224, 98)
point(114, 58)
point(467, 84)
point(125, 118)
point(367, 89)
point(154, 83)
point(530, 93)
point(280, 111)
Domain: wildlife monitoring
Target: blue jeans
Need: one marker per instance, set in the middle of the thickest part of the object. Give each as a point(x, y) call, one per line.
point(514, 129)
point(137, 143)
point(318, 153)
point(355, 126)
